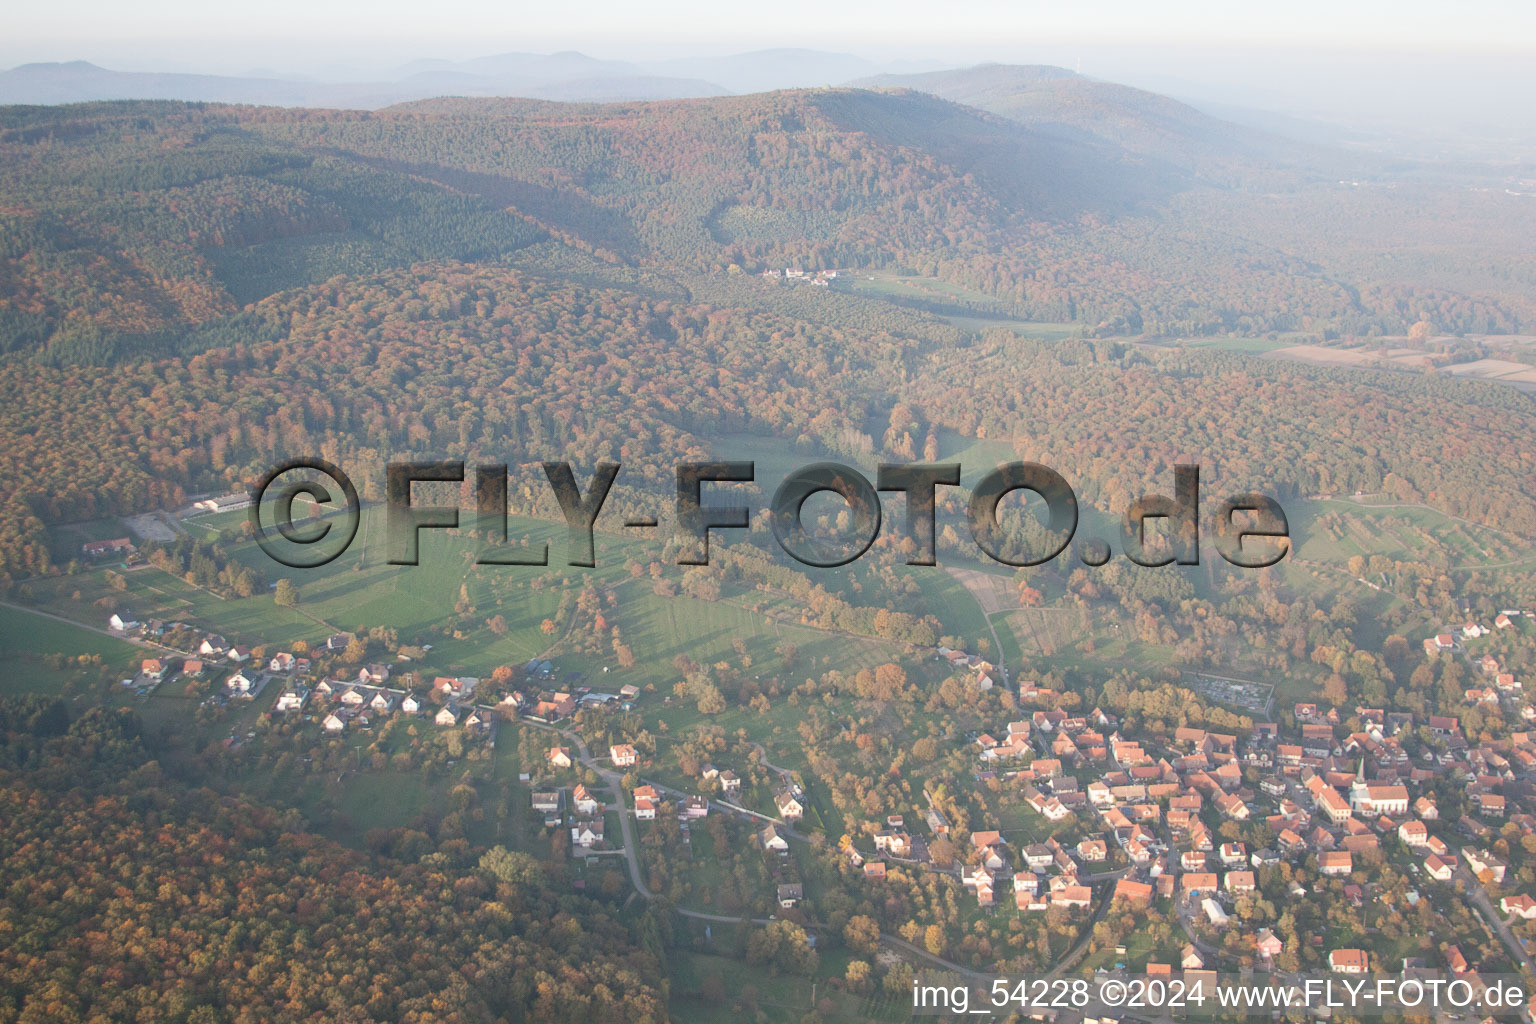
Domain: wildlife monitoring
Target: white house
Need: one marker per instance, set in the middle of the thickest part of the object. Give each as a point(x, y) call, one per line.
point(586, 804)
point(1522, 906)
point(292, 700)
point(587, 833)
point(1438, 869)
point(789, 807)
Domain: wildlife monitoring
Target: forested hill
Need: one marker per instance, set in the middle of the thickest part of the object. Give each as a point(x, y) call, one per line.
point(146, 227)
point(145, 899)
point(490, 364)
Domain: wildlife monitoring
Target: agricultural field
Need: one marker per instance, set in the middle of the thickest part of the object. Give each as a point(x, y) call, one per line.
point(719, 988)
point(28, 633)
point(1043, 632)
point(45, 655)
point(1247, 346)
point(1045, 330)
point(1334, 530)
point(912, 289)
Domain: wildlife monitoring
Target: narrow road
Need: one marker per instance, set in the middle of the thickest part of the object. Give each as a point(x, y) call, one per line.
point(1495, 920)
point(76, 623)
point(1426, 508)
point(1076, 952)
point(997, 647)
point(150, 645)
point(614, 781)
point(762, 756)
point(948, 965)
point(699, 915)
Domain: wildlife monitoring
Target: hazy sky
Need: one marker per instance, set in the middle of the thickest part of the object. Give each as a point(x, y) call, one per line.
point(1424, 70)
point(288, 34)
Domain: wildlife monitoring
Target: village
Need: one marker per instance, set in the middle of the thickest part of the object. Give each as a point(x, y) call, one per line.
point(1188, 821)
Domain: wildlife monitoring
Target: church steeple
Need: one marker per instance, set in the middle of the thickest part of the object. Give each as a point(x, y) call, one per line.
point(1358, 790)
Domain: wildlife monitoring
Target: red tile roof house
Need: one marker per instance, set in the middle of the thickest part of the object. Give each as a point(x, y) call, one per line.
point(1349, 961)
point(586, 804)
point(646, 800)
point(1073, 896)
point(1522, 906)
point(1335, 864)
point(1092, 849)
point(1268, 945)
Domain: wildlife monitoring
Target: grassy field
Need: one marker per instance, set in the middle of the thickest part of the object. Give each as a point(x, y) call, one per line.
point(65, 540)
point(916, 288)
point(28, 633)
point(1045, 330)
point(357, 590)
point(448, 602)
point(946, 597)
point(27, 639)
point(1006, 625)
point(1334, 530)
point(1247, 345)
point(149, 593)
point(777, 997)
point(658, 629)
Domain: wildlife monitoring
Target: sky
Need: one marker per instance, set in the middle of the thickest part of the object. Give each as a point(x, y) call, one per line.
point(312, 35)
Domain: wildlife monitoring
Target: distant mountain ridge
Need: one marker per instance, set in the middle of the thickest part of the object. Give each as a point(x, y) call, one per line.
point(1061, 102)
point(536, 76)
point(1049, 100)
point(568, 75)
